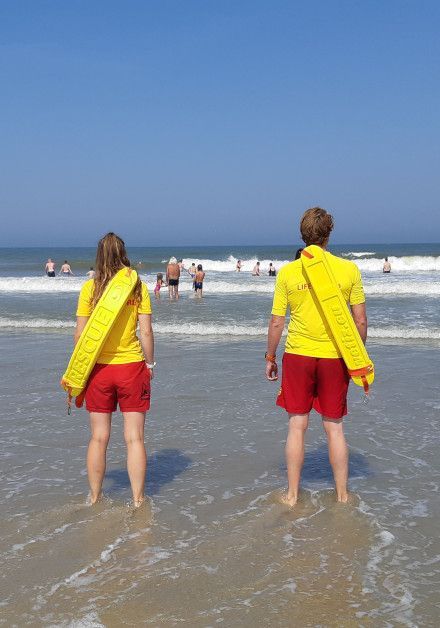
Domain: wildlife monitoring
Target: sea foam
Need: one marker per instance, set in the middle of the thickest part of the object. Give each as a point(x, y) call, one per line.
point(221, 330)
point(219, 284)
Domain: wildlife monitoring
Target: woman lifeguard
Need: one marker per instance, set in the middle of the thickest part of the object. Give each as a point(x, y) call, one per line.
point(122, 373)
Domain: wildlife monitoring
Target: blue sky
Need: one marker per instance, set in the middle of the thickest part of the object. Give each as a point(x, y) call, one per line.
point(218, 122)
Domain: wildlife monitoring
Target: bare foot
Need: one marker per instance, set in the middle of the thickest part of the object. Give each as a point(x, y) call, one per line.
point(287, 500)
point(138, 502)
point(342, 499)
point(90, 501)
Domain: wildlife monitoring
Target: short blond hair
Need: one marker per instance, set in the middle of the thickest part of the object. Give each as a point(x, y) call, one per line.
point(316, 226)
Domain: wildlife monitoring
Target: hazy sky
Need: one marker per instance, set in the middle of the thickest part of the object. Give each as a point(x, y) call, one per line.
point(218, 121)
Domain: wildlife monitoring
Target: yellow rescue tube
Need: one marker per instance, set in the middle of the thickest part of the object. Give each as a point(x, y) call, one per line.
point(96, 331)
point(338, 316)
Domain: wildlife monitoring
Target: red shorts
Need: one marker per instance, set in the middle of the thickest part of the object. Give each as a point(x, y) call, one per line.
point(126, 384)
point(319, 383)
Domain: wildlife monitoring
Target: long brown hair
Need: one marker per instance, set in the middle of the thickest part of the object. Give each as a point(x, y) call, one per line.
point(111, 257)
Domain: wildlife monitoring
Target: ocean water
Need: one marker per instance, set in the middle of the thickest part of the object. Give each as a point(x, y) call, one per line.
point(213, 545)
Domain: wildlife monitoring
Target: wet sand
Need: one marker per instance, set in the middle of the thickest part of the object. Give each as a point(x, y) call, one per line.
point(213, 545)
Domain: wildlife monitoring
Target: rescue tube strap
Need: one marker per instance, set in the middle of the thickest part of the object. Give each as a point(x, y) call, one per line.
point(69, 401)
point(362, 371)
point(307, 254)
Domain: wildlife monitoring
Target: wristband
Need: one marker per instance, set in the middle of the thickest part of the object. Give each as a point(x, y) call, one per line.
point(270, 358)
point(150, 366)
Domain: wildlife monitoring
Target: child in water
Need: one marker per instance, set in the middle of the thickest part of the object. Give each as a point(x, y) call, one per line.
point(159, 283)
point(198, 281)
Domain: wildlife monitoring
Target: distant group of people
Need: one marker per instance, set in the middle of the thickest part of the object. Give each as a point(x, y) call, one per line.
point(172, 278)
point(65, 269)
point(256, 271)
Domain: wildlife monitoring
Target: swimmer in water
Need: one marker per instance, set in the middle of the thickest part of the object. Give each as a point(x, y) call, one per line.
point(256, 271)
point(90, 273)
point(386, 266)
point(192, 270)
point(198, 281)
point(65, 269)
point(173, 276)
point(159, 283)
point(50, 267)
point(192, 273)
point(272, 271)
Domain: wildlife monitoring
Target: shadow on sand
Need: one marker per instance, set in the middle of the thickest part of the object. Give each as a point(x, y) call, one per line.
point(163, 467)
point(317, 466)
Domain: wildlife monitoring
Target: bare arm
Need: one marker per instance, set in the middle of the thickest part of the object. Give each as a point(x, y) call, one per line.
point(81, 322)
point(274, 333)
point(146, 338)
point(359, 313)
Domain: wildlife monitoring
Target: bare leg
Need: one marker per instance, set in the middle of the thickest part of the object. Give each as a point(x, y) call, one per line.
point(338, 456)
point(298, 424)
point(136, 454)
point(170, 291)
point(100, 424)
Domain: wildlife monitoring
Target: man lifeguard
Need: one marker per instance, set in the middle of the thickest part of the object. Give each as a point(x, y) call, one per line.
point(313, 373)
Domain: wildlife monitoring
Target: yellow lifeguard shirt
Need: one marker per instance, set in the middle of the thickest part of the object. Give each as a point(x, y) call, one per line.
point(122, 345)
point(307, 333)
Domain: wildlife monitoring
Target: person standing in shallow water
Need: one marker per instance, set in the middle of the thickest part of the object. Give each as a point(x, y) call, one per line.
point(65, 269)
point(123, 371)
point(198, 281)
point(314, 374)
point(50, 267)
point(159, 284)
point(173, 276)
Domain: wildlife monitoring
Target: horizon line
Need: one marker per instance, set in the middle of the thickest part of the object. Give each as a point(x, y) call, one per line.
point(183, 246)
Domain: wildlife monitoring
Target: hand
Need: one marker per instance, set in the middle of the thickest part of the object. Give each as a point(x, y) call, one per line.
point(271, 371)
point(150, 366)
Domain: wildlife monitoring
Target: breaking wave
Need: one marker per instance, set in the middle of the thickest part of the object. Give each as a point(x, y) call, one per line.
point(380, 286)
point(359, 254)
point(229, 265)
point(412, 263)
point(223, 330)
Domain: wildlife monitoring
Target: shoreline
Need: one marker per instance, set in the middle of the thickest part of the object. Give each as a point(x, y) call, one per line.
point(212, 539)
